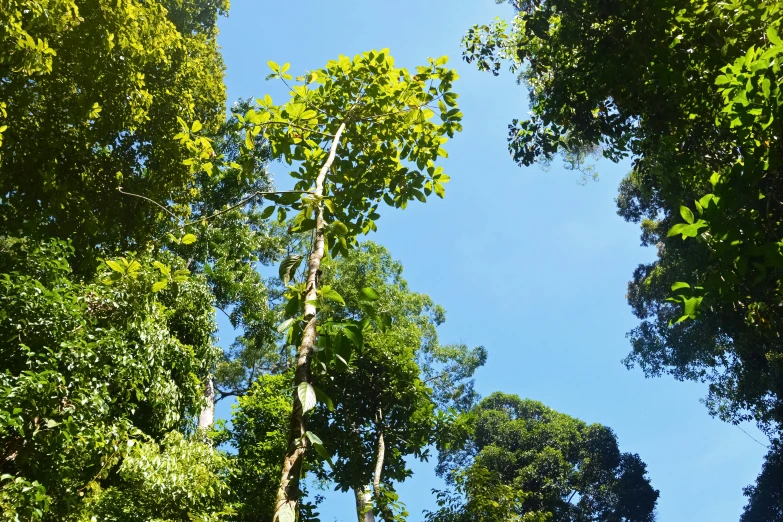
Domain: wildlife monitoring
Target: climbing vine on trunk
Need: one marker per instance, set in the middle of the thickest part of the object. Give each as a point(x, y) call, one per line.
point(357, 133)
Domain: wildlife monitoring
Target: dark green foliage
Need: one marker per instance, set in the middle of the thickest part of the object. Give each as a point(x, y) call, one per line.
point(514, 459)
point(382, 387)
point(765, 499)
point(258, 433)
point(689, 90)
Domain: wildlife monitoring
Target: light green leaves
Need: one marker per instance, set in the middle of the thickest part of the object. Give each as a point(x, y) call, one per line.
point(686, 214)
point(327, 292)
point(307, 397)
point(773, 36)
point(114, 265)
point(288, 267)
point(285, 325)
point(286, 514)
point(393, 134)
point(186, 239)
point(369, 294)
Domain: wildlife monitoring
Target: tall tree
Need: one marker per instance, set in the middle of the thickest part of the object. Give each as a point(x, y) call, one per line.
point(689, 90)
point(91, 368)
point(361, 132)
point(384, 406)
point(90, 96)
point(515, 459)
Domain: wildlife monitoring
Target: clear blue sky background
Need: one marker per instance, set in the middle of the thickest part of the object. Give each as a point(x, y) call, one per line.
point(527, 263)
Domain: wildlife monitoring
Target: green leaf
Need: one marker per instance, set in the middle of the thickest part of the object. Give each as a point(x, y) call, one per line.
point(114, 265)
point(292, 306)
point(773, 36)
point(286, 514)
point(288, 267)
point(354, 336)
point(339, 228)
point(686, 214)
point(321, 450)
point(692, 306)
point(285, 325)
point(677, 229)
point(196, 126)
point(133, 267)
point(160, 285)
point(272, 65)
point(315, 439)
point(331, 294)
point(369, 294)
point(307, 396)
point(267, 212)
point(323, 398)
point(188, 239)
point(439, 190)
point(679, 285)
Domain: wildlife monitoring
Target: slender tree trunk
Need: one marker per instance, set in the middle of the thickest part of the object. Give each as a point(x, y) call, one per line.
point(207, 416)
point(386, 513)
point(288, 492)
point(364, 504)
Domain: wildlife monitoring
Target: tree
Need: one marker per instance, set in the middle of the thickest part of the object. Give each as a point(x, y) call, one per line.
point(360, 132)
point(765, 499)
point(258, 433)
point(689, 90)
point(89, 100)
point(384, 409)
point(90, 369)
point(515, 459)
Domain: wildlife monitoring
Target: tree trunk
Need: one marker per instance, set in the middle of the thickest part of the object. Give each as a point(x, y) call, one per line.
point(386, 512)
point(288, 492)
point(207, 416)
point(364, 504)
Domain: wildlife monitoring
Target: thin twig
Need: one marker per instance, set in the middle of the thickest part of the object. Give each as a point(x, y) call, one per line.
point(218, 213)
point(242, 202)
point(749, 435)
point(172, 214)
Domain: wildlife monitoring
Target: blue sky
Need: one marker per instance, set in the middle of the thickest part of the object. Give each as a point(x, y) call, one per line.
point(527, 263)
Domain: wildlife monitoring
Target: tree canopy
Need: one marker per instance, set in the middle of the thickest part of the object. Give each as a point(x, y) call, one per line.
point(516, 459)
point(689, 90)
point(134, 208)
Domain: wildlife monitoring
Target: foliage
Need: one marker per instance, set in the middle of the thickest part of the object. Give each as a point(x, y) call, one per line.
point(765, 499)
point(519, 460)
point(90, 97)
point(258, 433)
point(360, 132)
point(89, 366)
point(381, 401)
point(235, 236)
point(689, 89)
point(387, 151)
point(383, 377)
point(178, 479)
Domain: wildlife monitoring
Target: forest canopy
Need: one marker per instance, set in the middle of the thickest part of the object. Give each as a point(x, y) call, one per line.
point(138, 213)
